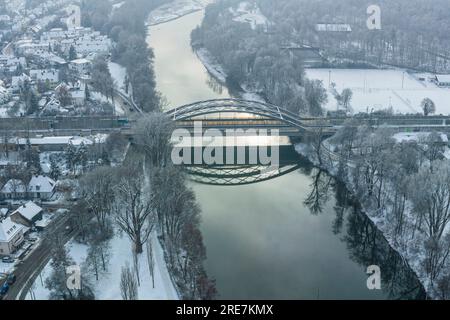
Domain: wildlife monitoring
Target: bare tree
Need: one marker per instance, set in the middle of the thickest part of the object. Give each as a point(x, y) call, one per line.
point(135, 214)
point(151, 261)
point(153, 134)
point(430, 195)
point(97, 190)
point(128, 284)
point(137, 268)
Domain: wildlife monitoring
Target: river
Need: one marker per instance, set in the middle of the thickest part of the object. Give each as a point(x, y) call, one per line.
point(296, 235)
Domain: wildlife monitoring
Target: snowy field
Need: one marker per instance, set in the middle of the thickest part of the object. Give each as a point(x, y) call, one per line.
point(108, 286)
point(380, 89)
point(175, 10)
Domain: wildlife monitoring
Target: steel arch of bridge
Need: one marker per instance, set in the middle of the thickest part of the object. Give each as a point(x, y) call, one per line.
point(189, 111)
point(236, 175)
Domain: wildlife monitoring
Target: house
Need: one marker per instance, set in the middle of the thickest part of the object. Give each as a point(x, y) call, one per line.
point(80, 66)
point(333, 27)
point(13, 189)
point(76, 91)
point(443, 80)
point(27, 215)
point(4, 95)
point(50, 75)
point(41, 187)
point(57, 143)
point(11, 236)
point(18, 81)
point(72, 19)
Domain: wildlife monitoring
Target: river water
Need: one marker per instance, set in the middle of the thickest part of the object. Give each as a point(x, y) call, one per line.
point(293, 235)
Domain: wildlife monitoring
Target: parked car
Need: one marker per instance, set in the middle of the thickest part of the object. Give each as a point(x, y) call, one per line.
point(11, 279)
point(7, 260)
point(4, 289)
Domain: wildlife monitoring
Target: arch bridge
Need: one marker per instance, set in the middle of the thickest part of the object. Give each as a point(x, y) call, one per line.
point(225, 114)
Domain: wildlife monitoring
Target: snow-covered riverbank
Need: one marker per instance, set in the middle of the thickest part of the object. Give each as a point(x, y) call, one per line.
point(174, 10)
point(108, 285)
point(413, 251)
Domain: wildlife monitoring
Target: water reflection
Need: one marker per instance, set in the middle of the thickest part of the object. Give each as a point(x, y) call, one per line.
point(365, 243)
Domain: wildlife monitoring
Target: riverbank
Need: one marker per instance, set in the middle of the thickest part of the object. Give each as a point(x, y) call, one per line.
point(221, 76)
point(411, 250)
point(175, 10)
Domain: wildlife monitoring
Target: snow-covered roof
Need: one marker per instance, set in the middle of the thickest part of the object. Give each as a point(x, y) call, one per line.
point(76, 141)
point(443, 78)
point(29, 210)
point(8, 229)
point(41, 184)
point(14, 186)
point(416, 136)
point(80, 61)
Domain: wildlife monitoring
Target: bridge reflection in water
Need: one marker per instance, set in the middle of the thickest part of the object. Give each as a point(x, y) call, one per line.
point(238, 173)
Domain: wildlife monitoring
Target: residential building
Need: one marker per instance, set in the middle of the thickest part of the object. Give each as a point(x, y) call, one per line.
point(80, 66)
point(11, 236)
point(333, 27)
point(27, 215)
point(41, 187)
point(13, 189)
point(443, 80)
point(50, 75)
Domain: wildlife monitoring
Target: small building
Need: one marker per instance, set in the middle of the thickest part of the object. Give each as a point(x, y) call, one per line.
point(57, 143)
point(41, 187)
point(50, 75)
point(80, 66)
point(27, 215)
point(443, 80)
point(13, 189)
point(11, 236)
point(333, 27)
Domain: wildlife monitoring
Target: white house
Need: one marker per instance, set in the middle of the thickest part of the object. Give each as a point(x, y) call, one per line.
point(51, 75)
point(18, 81)
point(11, 236)
point(73, 17)
point(41, 187)
point(333, 27)
point(13, 189)
point(443, 80)
point(80, 66)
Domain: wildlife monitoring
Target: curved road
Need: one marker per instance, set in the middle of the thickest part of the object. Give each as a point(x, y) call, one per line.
point(29, 269)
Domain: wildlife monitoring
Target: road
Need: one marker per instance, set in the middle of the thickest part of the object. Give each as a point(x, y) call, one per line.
point(30, 268)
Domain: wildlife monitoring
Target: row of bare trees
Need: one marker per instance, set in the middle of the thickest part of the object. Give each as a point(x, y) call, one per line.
point(407, 183)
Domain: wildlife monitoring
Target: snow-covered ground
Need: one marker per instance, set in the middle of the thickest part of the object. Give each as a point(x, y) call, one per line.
point(381, 89)
point(175, 9)
point(108, 286)
point(118, 74)
point(250, 13)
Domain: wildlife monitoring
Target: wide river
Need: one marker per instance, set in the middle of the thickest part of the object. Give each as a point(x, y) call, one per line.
point(296, 236)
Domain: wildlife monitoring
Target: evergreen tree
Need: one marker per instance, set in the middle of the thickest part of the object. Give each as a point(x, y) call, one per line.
point(55, 172)
point(72, 53)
